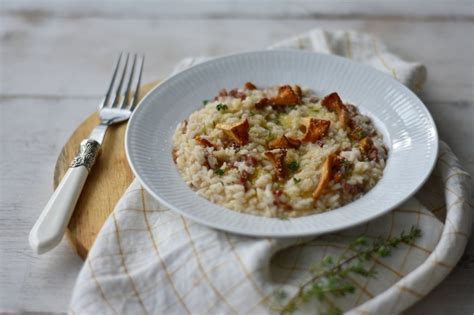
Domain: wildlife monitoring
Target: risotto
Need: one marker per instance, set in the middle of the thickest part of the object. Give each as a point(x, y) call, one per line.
point(279, 151)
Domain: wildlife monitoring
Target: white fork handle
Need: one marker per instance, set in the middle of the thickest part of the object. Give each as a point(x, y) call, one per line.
point(49, 229)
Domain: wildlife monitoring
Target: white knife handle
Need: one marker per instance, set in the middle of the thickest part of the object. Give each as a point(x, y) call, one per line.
point(49, 229)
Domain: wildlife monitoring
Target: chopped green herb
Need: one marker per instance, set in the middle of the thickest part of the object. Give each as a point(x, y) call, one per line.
point(204, 103)
point(219, 171)
point(345, 168)
point(359, 133)
point(293, 166)
point(221, 106)
point(296, 180)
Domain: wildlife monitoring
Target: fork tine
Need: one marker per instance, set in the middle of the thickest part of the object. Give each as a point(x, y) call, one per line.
point(107, 95)
point(119, 87)
point(137, 88)
point(126, 96)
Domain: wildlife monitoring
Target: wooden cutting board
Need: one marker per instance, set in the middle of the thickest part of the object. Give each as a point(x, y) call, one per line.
point(106, 183)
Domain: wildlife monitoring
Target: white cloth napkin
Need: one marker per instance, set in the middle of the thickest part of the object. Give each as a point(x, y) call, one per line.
point(149, 260)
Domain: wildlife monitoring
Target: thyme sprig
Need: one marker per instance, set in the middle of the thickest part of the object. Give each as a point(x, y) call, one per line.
point(330, 276)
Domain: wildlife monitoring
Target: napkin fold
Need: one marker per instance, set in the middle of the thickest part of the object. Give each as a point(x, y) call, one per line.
point(150, 260)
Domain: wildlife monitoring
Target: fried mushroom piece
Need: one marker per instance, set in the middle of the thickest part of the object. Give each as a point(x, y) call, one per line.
point(262, 103)
point(315, 129)
point(278, 161)
point(222, 93)
point(326, 175)
point(284, 142)
point(237, 94)
point(286, 96)
point(202, 141)
point(174, 155)
point(368, 148)
point(334, 103)
point(249, 86)
point(366, 144)
point(239, 132)
point(298, 90)
point(356, 133)
point(341, 169)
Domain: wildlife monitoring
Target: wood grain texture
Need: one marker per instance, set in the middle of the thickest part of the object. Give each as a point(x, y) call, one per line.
point(107, 181)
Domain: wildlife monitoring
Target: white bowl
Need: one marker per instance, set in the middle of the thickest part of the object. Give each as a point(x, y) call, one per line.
point(407, 126)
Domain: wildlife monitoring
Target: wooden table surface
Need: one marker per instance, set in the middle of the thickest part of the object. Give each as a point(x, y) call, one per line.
point(55, 62)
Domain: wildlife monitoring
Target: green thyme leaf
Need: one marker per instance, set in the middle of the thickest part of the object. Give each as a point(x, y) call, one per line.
point(360, 134)
point(383, 251)
point(361, 240)
point(219, 171)
point(296, 180)
point(204, 103)
point(327, 261)
point(293, 166)
point(220, 107)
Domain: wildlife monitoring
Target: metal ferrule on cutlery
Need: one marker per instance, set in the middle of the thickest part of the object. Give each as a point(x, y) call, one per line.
point(88, 152)
point(50, 226)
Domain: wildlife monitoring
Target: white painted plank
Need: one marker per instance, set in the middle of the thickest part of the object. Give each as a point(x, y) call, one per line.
point(455, 123)
point(76, 55)
point(32, 132)
point(281, 9)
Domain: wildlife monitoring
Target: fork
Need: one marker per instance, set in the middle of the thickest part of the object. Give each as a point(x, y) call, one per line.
point(49, 229)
